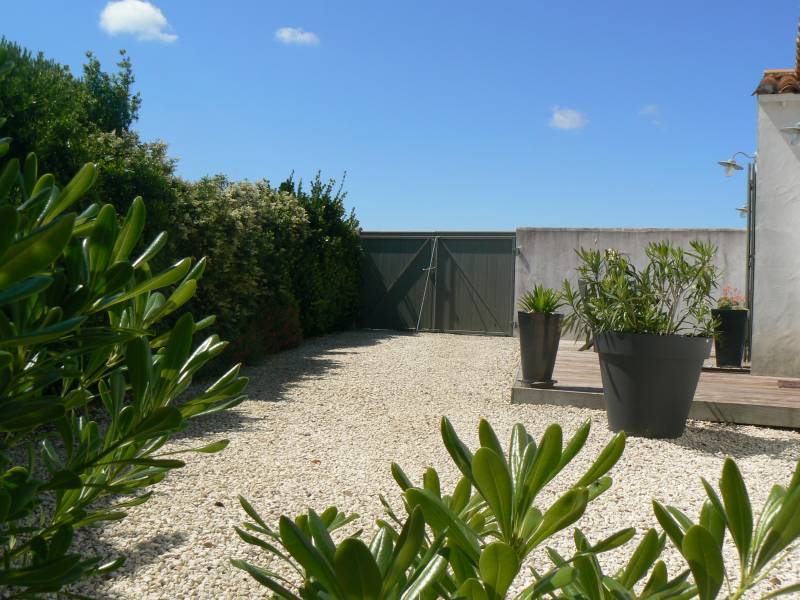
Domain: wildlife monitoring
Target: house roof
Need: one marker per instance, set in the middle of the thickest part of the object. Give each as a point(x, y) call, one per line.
point(782, 81)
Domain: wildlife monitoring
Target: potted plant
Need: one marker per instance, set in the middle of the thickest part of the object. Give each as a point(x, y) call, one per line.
point(730, 319)
point(539, 334)
point(652, 329)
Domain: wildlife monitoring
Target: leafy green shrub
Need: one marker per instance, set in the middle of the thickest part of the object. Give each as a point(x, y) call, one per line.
point(89, 376)
point(327, 283)
point(472, 544)
point(295, 252)
point(671, 295)
point(541, 300)
point(250, 233)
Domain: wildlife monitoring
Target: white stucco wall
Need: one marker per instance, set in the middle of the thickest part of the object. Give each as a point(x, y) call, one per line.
point(776, 301)
point(547, 256)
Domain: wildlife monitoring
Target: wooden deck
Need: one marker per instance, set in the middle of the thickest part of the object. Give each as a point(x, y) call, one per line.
point(721, 396)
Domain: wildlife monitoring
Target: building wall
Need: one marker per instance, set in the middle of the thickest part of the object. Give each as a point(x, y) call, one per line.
point(548, 256)
point(776, 318)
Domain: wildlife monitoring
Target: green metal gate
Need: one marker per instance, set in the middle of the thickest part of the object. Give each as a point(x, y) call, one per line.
point(439, 281)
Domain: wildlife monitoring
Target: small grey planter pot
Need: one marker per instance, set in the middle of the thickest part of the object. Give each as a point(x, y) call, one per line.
point(539, 334)
point(731, 335)
point(649, 381)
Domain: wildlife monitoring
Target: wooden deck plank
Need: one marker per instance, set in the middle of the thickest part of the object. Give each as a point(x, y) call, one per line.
point(722, 397)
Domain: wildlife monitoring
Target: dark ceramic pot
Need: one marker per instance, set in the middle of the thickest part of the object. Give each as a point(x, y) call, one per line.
point(539, 334)
point(731, 334)
point(649, 381)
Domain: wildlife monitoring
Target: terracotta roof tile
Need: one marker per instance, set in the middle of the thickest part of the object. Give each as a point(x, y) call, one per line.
point(782, 81)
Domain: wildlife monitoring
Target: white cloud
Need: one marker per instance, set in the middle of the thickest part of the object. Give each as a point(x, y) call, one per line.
point(567, 118)
point(136, 17)
point(296, 36)
point(651, 112)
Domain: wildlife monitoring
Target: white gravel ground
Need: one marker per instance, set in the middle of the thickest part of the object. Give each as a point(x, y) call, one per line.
point(325, 420)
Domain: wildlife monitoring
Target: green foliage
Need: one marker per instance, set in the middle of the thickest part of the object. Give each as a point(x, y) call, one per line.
point(295, 258)
point(56, 115)
point(327, 282)
point(541, 300)
point(671, 295)
point(473, 542)
point(295, 252)
point(90, 376)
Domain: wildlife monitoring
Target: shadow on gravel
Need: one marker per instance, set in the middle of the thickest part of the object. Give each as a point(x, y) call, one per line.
point(730, 441)
point(272, 378)
point(145, 552)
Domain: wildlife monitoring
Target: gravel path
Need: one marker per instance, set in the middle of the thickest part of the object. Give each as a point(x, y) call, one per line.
point(325, 420)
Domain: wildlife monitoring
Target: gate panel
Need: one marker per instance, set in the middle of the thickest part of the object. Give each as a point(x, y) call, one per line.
point(474, 285)
point(394, 283)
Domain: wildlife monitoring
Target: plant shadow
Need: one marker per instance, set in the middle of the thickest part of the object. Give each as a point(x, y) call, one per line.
point(735, 441)
point(145, 552)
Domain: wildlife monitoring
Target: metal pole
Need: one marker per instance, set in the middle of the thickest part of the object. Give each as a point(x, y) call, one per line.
point(425, 289)
point(752, 174)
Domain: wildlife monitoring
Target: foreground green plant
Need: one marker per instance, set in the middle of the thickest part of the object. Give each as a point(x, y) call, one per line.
point(90, 373)
point(541, 300)
point(671, 295)
point(473, 542)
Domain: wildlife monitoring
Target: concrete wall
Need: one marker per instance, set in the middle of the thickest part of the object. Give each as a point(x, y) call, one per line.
point(776, 293)
point(548, 256)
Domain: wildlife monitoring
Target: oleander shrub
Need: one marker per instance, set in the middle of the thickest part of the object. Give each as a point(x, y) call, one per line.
point(471, 542)
point(93, 380)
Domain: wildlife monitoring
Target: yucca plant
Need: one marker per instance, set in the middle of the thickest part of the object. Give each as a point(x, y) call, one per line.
point(90, 372)
point(541, 300)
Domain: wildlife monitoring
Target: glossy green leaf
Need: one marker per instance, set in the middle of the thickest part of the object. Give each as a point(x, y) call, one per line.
point(303, 551)
point(442, 518)
point(356, 571)
point(131, 231)
point(44, 335)
point(407, 547)
point(615, 540)
point(472, 589)
point(493, 479)
point(705, 561)
point(101, 240)
point(646, 553)
point(563, 513)
point(426, 577)
point(668, 523)
point(498, 567)
point(737, 508)
point(460, 454)
point(605, 460)
point(25, 289)
point(552, 581)
point(71, 193)
point(36, 251)
point(265, 578)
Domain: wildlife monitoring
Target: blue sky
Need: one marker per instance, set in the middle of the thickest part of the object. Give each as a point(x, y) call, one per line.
point(450, 115)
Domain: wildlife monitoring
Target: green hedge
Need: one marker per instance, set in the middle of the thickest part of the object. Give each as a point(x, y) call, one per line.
point(285, 260)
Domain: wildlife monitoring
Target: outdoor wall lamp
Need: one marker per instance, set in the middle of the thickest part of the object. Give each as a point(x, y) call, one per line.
point(731, 165)
point(793, 132)
point(748, 211)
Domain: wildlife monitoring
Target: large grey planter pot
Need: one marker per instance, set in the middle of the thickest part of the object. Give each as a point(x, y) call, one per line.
point(649, 381)
point(539, 334)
